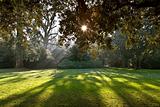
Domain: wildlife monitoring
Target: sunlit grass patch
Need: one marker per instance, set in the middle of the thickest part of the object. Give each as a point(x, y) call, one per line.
point(80, 88)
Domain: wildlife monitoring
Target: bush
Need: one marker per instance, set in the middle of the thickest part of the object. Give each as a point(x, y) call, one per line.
point(7, 58)
point(80, 64)
point(152, 61)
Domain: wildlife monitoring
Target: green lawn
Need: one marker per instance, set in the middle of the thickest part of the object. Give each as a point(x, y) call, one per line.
point(80, 88)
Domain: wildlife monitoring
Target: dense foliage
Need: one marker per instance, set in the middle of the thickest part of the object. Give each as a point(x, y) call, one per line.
point(104, 17)
point(32, 30)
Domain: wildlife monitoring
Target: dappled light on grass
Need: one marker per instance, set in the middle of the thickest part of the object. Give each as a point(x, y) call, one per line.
point(80, 87)
point(121, 79)
point(152, 86)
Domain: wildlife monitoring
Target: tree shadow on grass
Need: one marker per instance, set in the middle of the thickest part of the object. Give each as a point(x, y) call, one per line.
point(133, 96)
point(14, 70)
point(7, 76)
point(133, 91)
point(66, 91)
point(80, 89)
point(15, 77)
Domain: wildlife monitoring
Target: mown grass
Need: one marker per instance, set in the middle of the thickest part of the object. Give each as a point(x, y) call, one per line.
point(80, 88)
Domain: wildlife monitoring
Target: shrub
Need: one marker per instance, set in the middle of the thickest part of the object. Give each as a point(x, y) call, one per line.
point(80, 64)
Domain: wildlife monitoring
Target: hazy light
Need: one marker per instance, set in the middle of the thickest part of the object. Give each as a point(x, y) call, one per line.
point(109, 35)
point(84, 28)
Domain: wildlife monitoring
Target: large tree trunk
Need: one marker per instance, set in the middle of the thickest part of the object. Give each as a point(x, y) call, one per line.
point(19, 50)
point(138, 62)
point(124, 62)
point(19, 57)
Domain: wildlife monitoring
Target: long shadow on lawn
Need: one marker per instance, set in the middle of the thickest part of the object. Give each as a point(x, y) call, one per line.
point(16, 76)
point(134, 96)
point(67, 91)
point(72, 89)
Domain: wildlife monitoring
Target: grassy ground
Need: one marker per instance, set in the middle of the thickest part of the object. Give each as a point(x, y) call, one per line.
point(80, 88)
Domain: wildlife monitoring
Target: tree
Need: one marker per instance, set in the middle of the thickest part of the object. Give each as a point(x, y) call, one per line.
point(145, 43)
point(47, 32)
point(132, 51)
point(7, 57)
point(102, 17)
point(19, 16)
point(105, 16)
point(16, 15)
point(99, 15)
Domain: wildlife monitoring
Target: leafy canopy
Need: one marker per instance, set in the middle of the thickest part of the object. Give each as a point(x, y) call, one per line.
point(102, 18)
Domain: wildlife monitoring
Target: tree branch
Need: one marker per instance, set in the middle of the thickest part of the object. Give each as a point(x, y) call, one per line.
point(143, 4)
